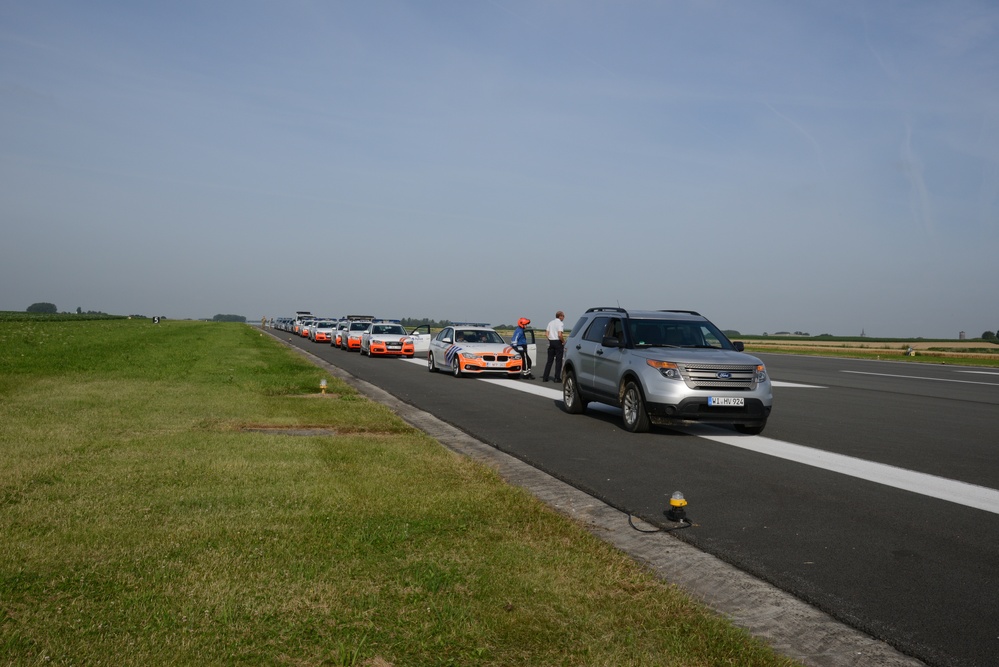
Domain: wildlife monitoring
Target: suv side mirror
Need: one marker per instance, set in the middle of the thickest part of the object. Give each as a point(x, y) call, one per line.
point(610, 341)
point(739, 346)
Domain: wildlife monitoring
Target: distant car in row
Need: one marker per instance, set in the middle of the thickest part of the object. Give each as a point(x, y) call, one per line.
point(321, 331)
point(355, 326)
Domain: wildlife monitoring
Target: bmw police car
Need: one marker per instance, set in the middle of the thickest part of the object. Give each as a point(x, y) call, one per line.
point(472, 348)
point(387, 338)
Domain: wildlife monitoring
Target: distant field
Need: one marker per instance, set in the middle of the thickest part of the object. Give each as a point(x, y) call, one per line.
point(21, 316)
point(975, 352)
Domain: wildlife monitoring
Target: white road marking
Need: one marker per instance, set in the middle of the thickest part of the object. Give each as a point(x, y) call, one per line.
point(962, 493)
point(920, 377)
point(981, 372)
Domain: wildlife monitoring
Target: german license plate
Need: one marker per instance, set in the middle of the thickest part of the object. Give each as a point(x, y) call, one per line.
point(726, 401)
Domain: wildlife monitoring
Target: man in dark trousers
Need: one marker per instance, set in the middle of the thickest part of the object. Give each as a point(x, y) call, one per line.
point(556, 347)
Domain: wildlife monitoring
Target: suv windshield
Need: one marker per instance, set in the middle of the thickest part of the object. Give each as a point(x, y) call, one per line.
point(673, 333)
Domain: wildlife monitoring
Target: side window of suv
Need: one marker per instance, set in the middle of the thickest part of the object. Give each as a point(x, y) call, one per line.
point(595, 332)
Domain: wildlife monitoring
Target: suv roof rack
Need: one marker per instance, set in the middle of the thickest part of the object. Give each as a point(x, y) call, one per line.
point(612, 309)
point(618, 309)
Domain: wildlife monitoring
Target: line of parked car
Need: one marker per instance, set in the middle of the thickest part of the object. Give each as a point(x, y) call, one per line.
point(660, 366)
point(459, 348)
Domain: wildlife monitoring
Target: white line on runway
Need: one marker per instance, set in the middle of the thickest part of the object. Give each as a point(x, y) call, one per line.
point(969, 495)
point(962, 493)
point(919, 377)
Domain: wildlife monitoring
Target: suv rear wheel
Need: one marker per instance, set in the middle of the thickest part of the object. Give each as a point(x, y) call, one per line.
point(636, 419)
point(574, 403)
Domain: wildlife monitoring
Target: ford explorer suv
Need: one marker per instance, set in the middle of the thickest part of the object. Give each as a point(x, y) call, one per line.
point(664, 367)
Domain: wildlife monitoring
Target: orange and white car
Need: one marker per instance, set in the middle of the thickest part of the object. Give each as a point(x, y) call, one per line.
point(305, 327)
point(350, 338)
point(474, 349)
point(338, 331)
point(321, 331)
point(387, 338)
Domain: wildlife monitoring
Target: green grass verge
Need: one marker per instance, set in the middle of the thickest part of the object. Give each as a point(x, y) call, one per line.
point(144, 523)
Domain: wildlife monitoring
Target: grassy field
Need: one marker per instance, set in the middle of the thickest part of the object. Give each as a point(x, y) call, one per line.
point(182, 494)
point(959, 352)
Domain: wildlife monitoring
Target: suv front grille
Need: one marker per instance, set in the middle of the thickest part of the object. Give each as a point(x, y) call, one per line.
point(712, 376)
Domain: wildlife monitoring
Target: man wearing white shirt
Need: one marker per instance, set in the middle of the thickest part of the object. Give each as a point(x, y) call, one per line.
point(556, 347)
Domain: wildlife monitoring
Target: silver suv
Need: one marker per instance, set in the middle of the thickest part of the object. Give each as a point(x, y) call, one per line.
point(664, 367)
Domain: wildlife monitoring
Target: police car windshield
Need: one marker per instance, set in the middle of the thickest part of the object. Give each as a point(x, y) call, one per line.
point(388, 329)
point(478, 336)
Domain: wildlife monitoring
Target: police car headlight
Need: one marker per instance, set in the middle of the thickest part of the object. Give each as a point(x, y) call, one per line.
point(471, 355)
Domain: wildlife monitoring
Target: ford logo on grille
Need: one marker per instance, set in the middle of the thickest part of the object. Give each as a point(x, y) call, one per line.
point(724, 376)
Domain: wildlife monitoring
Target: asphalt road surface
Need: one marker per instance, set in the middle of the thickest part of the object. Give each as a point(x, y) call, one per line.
point(871, 495)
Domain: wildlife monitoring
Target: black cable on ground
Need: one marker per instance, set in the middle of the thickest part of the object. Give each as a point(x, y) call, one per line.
point(686, 523)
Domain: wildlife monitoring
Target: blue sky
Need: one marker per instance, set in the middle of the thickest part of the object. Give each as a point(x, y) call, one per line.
point(829, 167)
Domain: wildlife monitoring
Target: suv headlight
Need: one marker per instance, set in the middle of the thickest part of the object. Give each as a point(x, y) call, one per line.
point(667, 369)
point(761, 373)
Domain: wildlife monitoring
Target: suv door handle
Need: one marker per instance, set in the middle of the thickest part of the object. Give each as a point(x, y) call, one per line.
point(600, 351)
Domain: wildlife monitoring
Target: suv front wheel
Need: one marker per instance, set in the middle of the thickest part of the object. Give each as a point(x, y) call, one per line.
point(574, 403)
point(636, 419)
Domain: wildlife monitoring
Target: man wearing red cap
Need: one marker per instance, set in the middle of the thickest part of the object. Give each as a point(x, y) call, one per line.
point(519, 343)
